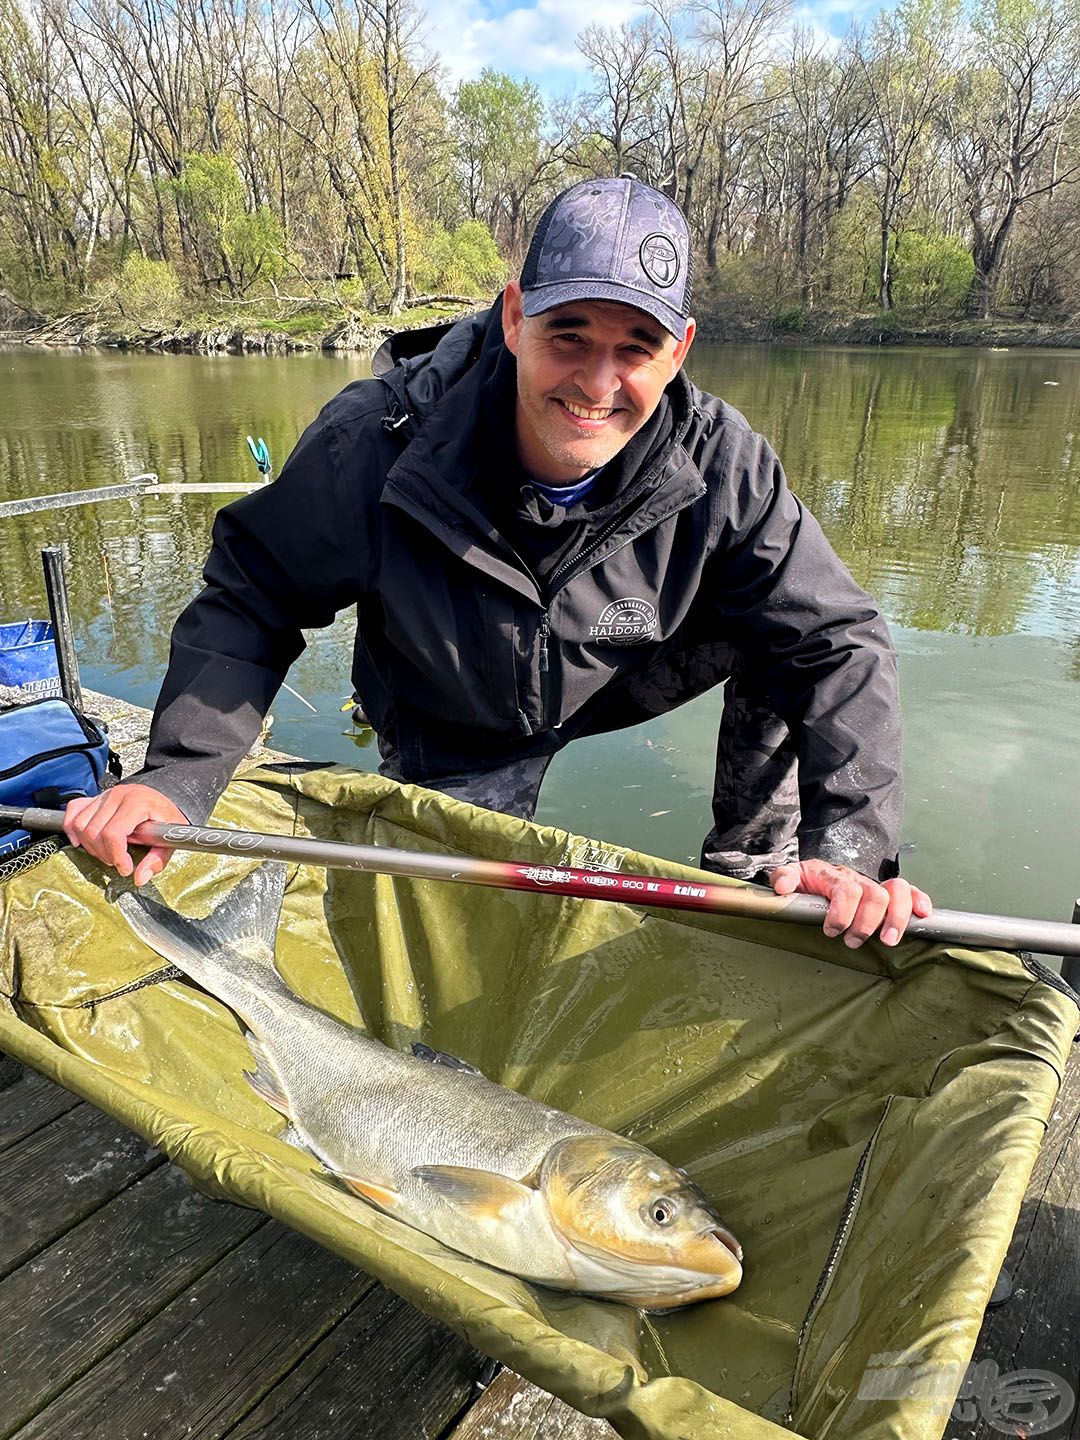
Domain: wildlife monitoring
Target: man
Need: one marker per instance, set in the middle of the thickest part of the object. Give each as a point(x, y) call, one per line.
point(549, 532)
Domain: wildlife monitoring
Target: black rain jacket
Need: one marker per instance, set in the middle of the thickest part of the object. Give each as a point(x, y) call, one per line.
point(460, 658)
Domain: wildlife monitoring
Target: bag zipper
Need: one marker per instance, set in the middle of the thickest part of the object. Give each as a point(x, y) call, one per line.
point(45, 755)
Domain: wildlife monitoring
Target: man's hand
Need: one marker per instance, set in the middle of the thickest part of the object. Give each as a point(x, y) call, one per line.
point(857, 904)
point(102, 825)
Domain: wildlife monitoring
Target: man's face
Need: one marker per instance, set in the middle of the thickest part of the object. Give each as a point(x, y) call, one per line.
point(589, 375)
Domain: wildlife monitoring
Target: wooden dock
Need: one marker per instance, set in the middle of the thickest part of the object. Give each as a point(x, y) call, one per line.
point(131, 1306)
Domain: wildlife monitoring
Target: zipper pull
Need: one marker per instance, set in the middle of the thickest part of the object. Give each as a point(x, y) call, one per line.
point(545, 631)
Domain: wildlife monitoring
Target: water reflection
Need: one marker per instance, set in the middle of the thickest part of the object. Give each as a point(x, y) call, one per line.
point(948, 480)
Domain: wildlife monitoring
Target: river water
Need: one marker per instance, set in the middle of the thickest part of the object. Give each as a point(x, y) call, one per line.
point(948, 480)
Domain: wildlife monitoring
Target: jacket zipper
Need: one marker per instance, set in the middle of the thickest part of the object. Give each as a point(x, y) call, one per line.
point(545, 669)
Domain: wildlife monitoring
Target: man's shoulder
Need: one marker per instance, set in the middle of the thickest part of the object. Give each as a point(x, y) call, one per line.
point(719, 417)
point(362, 404)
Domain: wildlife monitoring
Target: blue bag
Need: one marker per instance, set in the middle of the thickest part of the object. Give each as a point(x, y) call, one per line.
point(49, 753)
point(28, 665)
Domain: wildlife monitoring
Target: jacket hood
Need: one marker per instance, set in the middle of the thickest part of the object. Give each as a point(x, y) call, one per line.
point(432, 359)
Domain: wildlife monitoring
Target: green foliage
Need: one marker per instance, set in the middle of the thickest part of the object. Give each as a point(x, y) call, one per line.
point(790, 322)
point(932, 272)
point(235, 245)
point(460, 262)
point(850, 263)
point(148, 293)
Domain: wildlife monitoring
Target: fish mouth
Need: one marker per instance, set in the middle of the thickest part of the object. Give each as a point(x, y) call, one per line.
point(728, 1241)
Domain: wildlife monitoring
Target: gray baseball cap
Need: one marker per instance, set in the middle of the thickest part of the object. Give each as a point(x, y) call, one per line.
point(612, 240)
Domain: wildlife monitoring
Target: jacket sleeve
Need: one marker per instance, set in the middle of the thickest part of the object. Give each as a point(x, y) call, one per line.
point(822, 651)
point(284, 558)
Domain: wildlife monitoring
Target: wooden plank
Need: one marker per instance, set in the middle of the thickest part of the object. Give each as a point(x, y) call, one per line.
point(1039, 1327)
point(60, 1174)
point(388, 1368)
point(205, 1359)
point(10, 1071)
point(68, 1307)
point(513, 1409)
point(28, 1103)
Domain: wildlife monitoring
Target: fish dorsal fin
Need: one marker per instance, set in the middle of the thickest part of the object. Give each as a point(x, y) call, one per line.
point(481, 1194)
point(249, 912)
point(440, 1057)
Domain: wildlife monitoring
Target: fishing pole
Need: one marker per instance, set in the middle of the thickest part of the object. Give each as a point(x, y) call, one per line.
point(743, 902)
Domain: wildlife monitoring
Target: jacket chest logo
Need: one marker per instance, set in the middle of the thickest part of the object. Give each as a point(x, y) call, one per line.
point(624, 622)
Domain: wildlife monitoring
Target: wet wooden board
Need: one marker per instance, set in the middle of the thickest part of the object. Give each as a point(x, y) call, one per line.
point(391, 1370)
point(513, 1409)
point(64, 1310)
point(88, 1156)
point(29, 1102)
point(207, 1357)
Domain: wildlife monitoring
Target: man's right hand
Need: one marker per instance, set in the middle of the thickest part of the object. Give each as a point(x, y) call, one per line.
point(102, 825)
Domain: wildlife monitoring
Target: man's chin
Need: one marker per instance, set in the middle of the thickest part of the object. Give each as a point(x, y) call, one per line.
point(587, 454)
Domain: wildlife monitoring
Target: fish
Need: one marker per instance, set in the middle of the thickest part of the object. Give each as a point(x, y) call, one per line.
point(429, 1139)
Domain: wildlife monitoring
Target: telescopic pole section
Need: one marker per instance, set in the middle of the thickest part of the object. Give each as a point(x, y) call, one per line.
point(749, 902)
point(52, 562)
point(1070, 964)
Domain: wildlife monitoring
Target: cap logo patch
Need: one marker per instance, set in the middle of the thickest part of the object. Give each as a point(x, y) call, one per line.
point(659, 260)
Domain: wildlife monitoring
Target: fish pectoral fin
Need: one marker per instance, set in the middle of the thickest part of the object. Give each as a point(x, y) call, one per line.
point(484, 1194)
point(441, 1057)
point(265, 1080)
point(385, 1196)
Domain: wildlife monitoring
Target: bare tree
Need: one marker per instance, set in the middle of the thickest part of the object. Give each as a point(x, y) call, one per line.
point(1006, 125)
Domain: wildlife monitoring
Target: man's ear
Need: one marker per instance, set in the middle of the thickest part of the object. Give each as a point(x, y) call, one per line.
point(682, 348)
point(513, 315)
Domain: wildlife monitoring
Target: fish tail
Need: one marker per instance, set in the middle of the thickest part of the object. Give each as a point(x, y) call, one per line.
point(230, 952)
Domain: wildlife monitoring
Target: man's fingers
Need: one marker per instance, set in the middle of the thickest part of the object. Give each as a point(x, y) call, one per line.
point(151, 864)
point(785, 879)
point(75, 809)
point(844, 895)
point(103, 826)
point(858, 906)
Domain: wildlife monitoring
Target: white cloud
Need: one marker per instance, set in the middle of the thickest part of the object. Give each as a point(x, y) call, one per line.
point(527, 41)
point(536, 40)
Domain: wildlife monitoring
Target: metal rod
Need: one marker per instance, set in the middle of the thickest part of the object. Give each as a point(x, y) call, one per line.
point(746, 902)
point(142, 485)
point(1070, 964)
point(52, 562)
point(136, 486)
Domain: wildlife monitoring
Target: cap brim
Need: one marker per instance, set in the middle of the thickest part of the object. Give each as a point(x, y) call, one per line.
point(546, 297)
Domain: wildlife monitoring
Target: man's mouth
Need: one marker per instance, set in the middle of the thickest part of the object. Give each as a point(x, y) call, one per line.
point(593, 413)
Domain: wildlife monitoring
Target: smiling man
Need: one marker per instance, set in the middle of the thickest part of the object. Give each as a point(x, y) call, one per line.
point(549, 532)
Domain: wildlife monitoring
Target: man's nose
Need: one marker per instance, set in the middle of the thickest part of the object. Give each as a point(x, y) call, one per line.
point(598, 377)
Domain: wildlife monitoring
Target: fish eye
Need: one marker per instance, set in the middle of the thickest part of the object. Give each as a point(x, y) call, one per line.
point(662, 1211)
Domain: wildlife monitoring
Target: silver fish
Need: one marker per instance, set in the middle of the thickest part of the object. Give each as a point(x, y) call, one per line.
point(489, 1172)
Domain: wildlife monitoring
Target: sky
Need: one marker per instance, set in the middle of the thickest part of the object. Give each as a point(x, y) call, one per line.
point(534, 39)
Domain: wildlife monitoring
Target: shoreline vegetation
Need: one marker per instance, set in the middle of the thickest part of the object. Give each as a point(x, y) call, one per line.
point(324, 331)
point(175, 176)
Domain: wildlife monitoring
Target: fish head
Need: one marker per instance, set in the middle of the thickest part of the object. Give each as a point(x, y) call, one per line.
point(623, 1209)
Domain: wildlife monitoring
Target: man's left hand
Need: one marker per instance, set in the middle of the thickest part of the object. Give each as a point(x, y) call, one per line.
point(858, 906)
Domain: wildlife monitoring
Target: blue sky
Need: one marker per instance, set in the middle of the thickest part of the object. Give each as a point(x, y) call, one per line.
point(535, 38)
